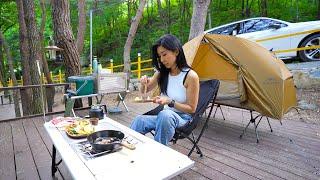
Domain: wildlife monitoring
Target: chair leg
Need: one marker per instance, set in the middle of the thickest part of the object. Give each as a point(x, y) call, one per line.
point(195, 143)
point(244, 131)
point(121, 99)
point(267, 121)
point(214, 114)
point(252, 120)
point(222, 112)
point(269, 124)
point(255, 130)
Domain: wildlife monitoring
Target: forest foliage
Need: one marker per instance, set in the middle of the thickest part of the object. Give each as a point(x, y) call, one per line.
point(111, 22)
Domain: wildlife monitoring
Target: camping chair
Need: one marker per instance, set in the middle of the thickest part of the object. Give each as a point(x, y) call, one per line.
point(207, 94)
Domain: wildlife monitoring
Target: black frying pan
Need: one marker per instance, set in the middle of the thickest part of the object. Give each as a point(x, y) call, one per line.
point(113, 138)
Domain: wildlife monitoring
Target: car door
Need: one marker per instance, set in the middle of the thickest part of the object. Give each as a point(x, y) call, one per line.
point(264, 32)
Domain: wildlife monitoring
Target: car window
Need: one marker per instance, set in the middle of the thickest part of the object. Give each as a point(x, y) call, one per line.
point(260, 25)
point(227, 30)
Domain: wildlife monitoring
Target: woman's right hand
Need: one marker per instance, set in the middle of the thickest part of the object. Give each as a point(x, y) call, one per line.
point(144, 80)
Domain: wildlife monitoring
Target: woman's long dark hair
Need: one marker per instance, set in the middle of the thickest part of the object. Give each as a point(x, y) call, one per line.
point(169, 42)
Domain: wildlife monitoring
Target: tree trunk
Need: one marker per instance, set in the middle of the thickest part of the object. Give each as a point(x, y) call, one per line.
point(198, 20)
point(3, 76)
point(168, 4)
point(81, 25)
point(64, 37)
point(242, 8)
point(264, 11)
point(26, 94)
point(50, 91)
point(3, 70)
point(129, 12)
point(162, 15)
point(3, 81)
point(34, 53)
point(131, 35)
point(16, 93)
point(247, 9)
point(318, 14)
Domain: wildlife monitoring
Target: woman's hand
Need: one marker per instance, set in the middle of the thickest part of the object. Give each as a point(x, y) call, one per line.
point(162, 100)
point(144, 80)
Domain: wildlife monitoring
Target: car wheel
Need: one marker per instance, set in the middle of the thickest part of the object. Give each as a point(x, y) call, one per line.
point(310, 54)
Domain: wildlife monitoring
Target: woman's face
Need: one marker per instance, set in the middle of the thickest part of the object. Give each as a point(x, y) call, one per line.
point(167, 57)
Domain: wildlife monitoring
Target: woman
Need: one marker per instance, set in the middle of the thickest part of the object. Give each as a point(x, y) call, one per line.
point(179, 87)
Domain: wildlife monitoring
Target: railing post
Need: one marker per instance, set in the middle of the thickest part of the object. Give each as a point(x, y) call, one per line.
point(51, 77)
point(139, 65)
point(42, 78)
point(60, 76)
point(90, 69)
point(21, 80)
point(111, 65)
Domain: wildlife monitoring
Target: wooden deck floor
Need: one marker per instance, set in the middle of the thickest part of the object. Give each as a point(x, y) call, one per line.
point(292, 151)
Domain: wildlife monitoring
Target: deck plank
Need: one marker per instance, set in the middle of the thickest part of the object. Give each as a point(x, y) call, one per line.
point(25, 165)
point(7, 165)
point(213, 165)
point(62, 168)
point(293, 147)
point(259, 154)
point(290, 152)
point(39, 150)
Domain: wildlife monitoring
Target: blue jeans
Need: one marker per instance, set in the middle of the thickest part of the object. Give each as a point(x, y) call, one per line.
point(164, 124)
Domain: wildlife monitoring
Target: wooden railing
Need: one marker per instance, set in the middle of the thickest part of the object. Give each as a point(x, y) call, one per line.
point(60, 77)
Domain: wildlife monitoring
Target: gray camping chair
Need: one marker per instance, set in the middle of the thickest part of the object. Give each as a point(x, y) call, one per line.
point(207, 95)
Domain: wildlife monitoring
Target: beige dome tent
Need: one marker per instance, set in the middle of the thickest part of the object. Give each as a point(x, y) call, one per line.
point(247, 71)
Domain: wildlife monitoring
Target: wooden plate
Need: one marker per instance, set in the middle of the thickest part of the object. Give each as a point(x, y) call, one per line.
point(81, 124)
point(79, 136)
point(143, 100)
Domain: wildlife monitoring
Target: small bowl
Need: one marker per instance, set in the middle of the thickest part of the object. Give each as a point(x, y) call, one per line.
point(94, 121)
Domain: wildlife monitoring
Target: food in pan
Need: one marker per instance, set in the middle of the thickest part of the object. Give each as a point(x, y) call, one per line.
point(105, 140)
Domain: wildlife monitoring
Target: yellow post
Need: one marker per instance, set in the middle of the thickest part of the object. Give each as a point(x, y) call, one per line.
point(21, 80)
point(42, 78)
point(90, 68)
point(139, 65)
point(10, 82)
point(51, 77)
point(60, 76)
point(111, 65)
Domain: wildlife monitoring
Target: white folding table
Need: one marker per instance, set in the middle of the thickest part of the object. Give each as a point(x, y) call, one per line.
point(150, 159)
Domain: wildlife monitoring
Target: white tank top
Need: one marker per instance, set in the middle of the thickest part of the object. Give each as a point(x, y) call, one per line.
point(176, 89)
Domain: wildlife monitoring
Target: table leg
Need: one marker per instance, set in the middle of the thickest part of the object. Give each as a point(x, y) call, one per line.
point(89, 101)
point(53, 162)
point(54, 165)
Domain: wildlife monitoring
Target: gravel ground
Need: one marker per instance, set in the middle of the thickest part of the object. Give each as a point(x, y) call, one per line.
point(309, 106)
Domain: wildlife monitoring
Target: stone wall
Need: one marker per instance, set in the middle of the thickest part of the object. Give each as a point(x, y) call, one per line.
point(306, 75)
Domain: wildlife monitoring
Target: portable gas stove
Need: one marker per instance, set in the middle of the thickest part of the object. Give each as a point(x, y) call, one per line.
point(85, 149)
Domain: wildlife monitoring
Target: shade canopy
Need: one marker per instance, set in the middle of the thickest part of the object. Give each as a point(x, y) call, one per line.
point(247, 71)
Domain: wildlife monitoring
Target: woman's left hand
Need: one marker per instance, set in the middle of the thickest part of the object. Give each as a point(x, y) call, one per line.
point(162, 100)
